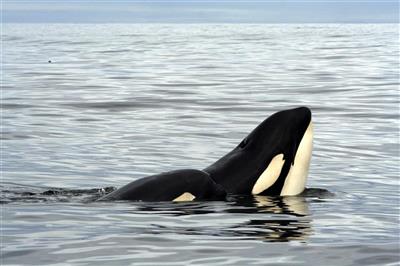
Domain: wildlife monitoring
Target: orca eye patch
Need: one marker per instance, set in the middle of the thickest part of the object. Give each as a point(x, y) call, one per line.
point(243, 143)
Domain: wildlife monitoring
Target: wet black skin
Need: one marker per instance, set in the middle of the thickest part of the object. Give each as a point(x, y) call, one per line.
point(282, 132)
point(168, 186)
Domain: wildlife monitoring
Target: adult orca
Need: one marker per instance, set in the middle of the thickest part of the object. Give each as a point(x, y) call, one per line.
point(272, 160)
point(179, 185)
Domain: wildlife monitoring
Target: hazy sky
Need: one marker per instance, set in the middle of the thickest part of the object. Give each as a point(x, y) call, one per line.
point(206, 11)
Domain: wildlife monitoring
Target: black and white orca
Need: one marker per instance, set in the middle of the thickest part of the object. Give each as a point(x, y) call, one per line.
point(179, 185)
point(272, 160)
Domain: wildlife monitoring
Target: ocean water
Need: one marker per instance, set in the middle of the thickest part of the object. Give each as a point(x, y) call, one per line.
point(119, 102)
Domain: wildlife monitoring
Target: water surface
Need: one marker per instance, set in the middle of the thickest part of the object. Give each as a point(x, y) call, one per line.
point(118, 102)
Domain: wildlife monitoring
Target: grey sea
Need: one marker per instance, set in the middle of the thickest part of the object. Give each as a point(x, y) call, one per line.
point(87, 108)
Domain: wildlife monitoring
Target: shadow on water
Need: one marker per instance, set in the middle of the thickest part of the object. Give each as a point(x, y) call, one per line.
point(269, 219)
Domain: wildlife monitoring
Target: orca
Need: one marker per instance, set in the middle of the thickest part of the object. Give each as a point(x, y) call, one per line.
point(178, 185)
point(272, 160)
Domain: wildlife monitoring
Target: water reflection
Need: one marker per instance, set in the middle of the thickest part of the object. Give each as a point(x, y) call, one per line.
point(271, 219)
point(294, 224)
point(293, 205)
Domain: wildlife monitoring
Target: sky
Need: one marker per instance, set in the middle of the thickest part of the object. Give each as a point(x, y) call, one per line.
point(197, 11)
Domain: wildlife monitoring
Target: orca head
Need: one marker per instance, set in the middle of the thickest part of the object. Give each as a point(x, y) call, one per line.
point(272, 160)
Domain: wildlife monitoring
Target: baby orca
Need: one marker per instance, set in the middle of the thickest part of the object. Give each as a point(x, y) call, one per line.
point(179, 185)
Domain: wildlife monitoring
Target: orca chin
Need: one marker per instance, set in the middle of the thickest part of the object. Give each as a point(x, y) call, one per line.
point(272, 160)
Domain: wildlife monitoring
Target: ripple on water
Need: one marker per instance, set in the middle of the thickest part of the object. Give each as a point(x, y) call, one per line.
point(181, 96)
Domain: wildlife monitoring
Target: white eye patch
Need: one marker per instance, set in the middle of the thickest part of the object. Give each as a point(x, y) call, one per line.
point(185, 197)
point(270, 175)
